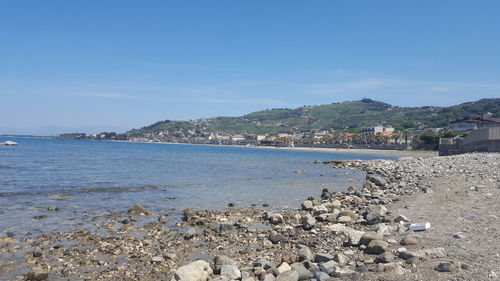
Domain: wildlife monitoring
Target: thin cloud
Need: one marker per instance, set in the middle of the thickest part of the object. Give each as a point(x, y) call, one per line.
point(117, 96)
point(263, 102)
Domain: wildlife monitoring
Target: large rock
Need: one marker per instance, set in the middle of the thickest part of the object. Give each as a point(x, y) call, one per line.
point(37, 275)
point(195, 271)
point(276, 218)
point(304, 273)
point(230, 271)
point(322, 257)
point(220, 261)
point(411, 239)
point(329, 267)
point(307, 205)
point(308, 221)
point(385, 257)
point(275, 237)
point(290, 275)
point(305, 254)
point(376, 247)
point(369, 236)
point(377, 180)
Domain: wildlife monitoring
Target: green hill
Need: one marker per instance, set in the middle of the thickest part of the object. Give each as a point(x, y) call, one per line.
point(351, 115)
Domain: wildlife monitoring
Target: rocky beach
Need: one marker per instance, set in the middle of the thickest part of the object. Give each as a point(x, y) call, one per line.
point(430, 218)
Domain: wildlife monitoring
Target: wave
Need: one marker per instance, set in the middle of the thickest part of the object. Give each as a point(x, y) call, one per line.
point(58, 193)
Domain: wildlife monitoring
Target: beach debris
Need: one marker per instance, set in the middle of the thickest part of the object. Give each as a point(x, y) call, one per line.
point(459, 235)
point(297, 171)
point(422, 226)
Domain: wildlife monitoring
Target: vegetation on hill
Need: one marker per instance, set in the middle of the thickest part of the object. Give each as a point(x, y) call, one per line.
point(351, 116)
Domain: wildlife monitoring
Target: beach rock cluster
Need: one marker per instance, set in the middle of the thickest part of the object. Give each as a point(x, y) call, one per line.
point(351, 235)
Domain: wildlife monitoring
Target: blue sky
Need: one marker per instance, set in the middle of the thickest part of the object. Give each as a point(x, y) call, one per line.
point(114, 65)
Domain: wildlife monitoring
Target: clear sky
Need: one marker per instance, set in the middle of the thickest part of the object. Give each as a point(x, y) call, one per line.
point(92, 65)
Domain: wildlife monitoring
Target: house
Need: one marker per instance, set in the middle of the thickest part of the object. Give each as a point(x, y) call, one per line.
point(473, 123)
point(376, 130)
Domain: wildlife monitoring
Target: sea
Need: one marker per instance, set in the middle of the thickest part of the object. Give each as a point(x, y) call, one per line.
point(86, 180)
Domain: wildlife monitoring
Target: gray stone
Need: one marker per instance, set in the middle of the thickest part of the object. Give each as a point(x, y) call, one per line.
point(320, 275)
point(219, 261)
point(276, 218)
point(320, 209)
point(378, 210)
point(446, 267)
point(336, 204)
point(230, 271)
point(402, 218)
point(290, 275)
point(369, 236)
point(341, 259)
point(376, 247)
point(308, 221)
point(329, 267)
point(275, 237)
point(304, 274)
point(307, 205)
point(37, 253)
point(37, 275)
point(191, 233)
point(341, 272)
point(411, 239)
point(305, 254)
point(385, 257)
point(223, 227)
point(269, 277)
point(459, 235)
point(284, 267)
point(195, 271)
point(322, 257)
point(344, 219)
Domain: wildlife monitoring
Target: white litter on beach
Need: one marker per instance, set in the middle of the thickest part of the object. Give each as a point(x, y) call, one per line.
point(420, 226)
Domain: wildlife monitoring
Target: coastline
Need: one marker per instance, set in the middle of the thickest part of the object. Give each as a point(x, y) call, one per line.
point(364, 151)
point(358, 234)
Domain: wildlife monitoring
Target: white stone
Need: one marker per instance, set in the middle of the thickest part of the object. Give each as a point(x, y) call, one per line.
point(195, 271)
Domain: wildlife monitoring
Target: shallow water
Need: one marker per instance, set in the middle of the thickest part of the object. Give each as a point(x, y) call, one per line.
point(99, 177)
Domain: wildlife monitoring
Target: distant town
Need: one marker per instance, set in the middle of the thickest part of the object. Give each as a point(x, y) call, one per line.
point(380, 136)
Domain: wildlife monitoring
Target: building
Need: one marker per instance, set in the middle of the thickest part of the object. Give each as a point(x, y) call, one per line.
point(376, 130)
point(480, 140)
point(473, 123)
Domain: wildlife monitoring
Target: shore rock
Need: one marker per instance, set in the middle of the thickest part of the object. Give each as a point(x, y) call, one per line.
point(196, 271)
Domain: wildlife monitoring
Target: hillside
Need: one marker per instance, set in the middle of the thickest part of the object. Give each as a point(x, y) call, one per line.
point(351, 115)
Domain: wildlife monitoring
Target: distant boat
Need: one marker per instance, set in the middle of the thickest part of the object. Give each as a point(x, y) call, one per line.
point(8, 143)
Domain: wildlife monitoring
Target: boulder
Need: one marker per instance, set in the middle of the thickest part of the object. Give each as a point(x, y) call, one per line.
point(329, 267)
point(305, 254)
point(322, 257)
point(307, 205)
point(308, 222)
point(369, 236)
point(411, 239)
point(290, 275)
point(304, 274)
point(219, 261)
point(376, 247)
point(385, 257)
point(230, 271)
point(196, 271)
point(276, 218)
point(275, 237)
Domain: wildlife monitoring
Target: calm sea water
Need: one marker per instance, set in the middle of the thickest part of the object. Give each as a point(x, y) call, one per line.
point(102, 177)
